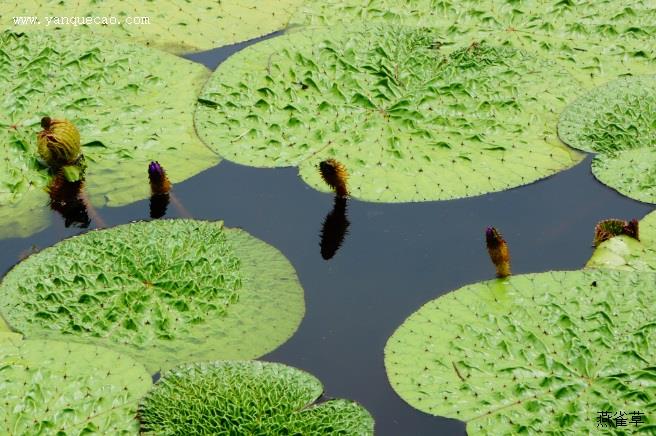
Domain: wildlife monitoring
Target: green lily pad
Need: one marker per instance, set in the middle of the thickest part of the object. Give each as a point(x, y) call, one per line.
point(626, 253)
point(532, 353)
point(3, 326)
point(233, 397)
point(178, 27)
point(618, 121)
point(136, 102)
point(165, 292)
point(52, 387)
point(410, 121)
point(596, 41)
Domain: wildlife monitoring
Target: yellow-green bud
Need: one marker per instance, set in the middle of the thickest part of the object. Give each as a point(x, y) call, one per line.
point(58, 142)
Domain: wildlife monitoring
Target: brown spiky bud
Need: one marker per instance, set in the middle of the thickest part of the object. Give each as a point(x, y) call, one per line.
point(606, 229)
point(335, 176)
point(631, 229)
point(498, 250)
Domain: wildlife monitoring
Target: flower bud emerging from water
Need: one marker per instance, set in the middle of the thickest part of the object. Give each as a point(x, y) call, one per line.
point(606, 229)
point(498, 250)
point(335, 176)
point(159, 183)
point(58, 142)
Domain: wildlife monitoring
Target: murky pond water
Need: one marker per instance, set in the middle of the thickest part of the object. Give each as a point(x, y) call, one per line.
point(394, 258)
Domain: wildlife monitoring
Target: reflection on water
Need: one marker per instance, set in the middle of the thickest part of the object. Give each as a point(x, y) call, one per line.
point(66, 198)
point(334, 229)
point(158, 205)
point(159, 188)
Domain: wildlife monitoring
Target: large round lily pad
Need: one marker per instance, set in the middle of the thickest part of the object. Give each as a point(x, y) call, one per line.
point(411, 120)
point(254, 398)
point(618, 121)
point(595, 40)
point(131, 105)
point(52, 387)
point(165, 292)
point(532, 353)
point(627, 253)
point(176, 26)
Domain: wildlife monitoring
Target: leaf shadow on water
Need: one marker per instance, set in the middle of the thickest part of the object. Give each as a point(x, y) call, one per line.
point(399, 257)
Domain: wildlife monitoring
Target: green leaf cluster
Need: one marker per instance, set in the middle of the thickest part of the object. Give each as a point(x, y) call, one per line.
point(411, 117)
point(164, 292)
point(617, 121)
point(532, 353)
point(63, 388)
point(595, 40)
point(136, 102)
point(238, 397)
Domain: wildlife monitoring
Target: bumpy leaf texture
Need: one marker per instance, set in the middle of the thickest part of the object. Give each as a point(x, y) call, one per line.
point(132, 103)
point(255, 398)
point(532, 353)
point(625, 253)
point(595, 40)
point(175, 26)
point(52, 387)
point(165, 292)
point(411, 119)
point(618, 121)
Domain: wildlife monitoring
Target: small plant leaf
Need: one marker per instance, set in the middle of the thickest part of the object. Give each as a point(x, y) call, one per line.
point(253, 397)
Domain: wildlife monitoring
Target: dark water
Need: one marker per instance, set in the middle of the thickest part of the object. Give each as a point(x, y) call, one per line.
point(395, 258)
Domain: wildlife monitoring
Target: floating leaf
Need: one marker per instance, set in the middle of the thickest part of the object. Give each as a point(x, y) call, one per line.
point(3, 326)
point(626, 253)
point(596, 41)
point(178, 27)
point(165, 292)
point(495, 108)
point(44, 74)
point(235, 397)
point(52, 387)
point(535, 353)
point(618, 121)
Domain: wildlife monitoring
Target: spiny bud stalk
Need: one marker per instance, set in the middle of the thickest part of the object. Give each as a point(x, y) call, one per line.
point(498, 250)
point(159, 183)
point(606, 229)
point(335, 176)
point(58, 142)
